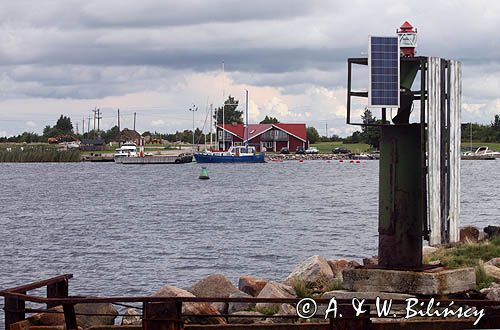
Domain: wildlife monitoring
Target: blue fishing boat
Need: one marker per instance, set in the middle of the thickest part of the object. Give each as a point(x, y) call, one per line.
point(240, 154)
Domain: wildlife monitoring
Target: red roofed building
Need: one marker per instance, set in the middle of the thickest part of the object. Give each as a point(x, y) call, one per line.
point(272, 137)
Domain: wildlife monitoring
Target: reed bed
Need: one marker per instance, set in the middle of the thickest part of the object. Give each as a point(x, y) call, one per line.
point(38, 154)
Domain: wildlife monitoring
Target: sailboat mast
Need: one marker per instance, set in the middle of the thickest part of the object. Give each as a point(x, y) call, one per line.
point(211, 124)
point(246, 122)
point(223, 106)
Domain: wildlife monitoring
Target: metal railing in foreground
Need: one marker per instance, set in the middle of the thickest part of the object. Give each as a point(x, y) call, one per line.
point(162, 313)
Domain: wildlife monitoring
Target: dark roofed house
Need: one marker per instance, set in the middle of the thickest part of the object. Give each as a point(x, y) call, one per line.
point(129, 135)
point(92, 145)
point(272, 137)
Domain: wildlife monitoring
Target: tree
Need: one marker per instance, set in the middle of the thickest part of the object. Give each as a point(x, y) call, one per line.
point(312, 135)
point(231, 115)
point(270, 120)
point(370, 134)
point(112, 134)
point(64, 125)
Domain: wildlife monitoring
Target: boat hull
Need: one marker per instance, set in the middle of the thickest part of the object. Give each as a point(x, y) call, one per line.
point(154, 160)
point(203, 158)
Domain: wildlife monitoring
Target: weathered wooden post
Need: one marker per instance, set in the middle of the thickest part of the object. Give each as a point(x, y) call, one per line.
point(14, 310)
point(57, 290)
point(162, 316)
point(70, 316)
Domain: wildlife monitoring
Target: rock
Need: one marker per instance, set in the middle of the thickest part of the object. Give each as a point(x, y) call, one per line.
point(315, 272)
point(482, 236)
point(251, 285)
point(246, 320)
point(492, 292)
point(349, 295)
point(87, 321)
point(285, 310)
point(373, 261)
point(275, 290)
point(469, 234)
point(492, 269)
point(492, 231)
point(240, 306)
point(215, 285)
point(428, 250)
point(437, 281)
point(191, 308)
point(84, 321)
point(131, 317)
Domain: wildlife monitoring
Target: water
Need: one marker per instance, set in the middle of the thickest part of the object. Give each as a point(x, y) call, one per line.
point(128, 230)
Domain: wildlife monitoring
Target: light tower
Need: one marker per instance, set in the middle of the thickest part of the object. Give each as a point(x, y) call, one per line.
point(407, 39)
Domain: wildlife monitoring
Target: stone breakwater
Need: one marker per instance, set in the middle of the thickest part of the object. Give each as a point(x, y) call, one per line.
point(283, 157)
point(315, 277)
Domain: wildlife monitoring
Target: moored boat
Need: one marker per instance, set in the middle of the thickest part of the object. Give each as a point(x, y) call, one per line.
point(239, 154)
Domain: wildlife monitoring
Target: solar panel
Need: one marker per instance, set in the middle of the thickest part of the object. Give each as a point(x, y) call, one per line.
point(383, 63)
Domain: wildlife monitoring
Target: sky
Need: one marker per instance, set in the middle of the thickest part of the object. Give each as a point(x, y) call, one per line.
point(159, 58)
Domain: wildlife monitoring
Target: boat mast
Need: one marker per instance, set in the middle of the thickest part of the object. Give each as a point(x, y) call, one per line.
point(211, 125)
point(246, 121)
point(223, 106)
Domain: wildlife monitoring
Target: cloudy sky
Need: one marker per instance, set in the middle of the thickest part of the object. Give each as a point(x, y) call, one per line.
point(158, 58)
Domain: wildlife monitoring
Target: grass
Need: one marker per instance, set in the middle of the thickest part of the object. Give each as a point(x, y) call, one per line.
point(268, 311)
point(469, 255)
point(327, 147)
point(302, 290)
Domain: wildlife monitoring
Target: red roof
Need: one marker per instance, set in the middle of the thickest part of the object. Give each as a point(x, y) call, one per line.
point(297, 130)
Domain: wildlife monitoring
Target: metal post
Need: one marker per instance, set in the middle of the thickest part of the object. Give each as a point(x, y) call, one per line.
point(193, 109)
point(211, 125)
point(349, 68)
point(135, 115)
point(119, 130)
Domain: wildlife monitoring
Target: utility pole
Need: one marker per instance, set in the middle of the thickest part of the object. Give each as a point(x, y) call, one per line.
point(99, 117)
point(76, 128)
point(83, 125)
point(135, 114)
point(326, 128)
point(246, 121)
point(193, 109)
point(119, 130)
point(95, 112)
point(88, 127)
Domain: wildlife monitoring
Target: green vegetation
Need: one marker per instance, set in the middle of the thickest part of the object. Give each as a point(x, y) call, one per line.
point(231, 114)
point(270, 120)
point(327, 147)
point(312, 135)
point(37, 153)
point(302, 290)
point(268, 311)
point(469, 255)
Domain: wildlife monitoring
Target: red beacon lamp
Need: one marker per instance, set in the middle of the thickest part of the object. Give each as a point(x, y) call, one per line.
point(407, 39)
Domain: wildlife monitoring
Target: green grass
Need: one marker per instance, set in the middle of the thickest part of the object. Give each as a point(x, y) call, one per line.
point(469, 255)
point(327, 147)
point(268, 311)
point(38, 154)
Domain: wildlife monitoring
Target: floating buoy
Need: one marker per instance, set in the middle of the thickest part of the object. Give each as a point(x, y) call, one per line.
point(352, 161)
point(204, 174)
point(358, 161)
point(328, 162)
point(301, 161)
point(341, 160)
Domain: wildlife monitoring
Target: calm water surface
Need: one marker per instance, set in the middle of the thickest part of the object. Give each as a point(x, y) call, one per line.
point(128, 230)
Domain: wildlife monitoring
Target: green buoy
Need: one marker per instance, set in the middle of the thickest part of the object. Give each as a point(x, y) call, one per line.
point(204, 174)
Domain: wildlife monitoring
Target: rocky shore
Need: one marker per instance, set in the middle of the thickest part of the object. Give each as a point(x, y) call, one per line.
point(315, 277)
point(283, 157)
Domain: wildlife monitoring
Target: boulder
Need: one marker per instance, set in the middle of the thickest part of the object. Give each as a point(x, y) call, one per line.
point(314, 272)
point(428, 250)
point(285, 310)
point(469, 234)
point(492, 231)
point(191, 308)
point(239, 306)
point(275, 290)
point(131, 317)
point(215, 285)
point(84, 321)
point(243, 317)
point(492, 269)
point(339, 265)
point(372, 261)
point(492, 292)
point(251, 284)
